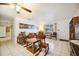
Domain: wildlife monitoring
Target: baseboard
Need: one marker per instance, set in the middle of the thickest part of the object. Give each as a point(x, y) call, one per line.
point(64, 40)
point(2, 37)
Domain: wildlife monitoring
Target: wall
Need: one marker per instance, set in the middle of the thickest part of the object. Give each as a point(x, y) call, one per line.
point(77, 13)
point(63, 29)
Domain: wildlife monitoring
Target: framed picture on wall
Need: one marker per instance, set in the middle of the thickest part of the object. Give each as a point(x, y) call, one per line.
point(23, 26)
point(26, 26)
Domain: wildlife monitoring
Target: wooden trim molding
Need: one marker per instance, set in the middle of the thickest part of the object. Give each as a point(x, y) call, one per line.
point(64, 40)
point(2, 37)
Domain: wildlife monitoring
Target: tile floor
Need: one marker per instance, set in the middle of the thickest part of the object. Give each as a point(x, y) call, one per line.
point(57, 48)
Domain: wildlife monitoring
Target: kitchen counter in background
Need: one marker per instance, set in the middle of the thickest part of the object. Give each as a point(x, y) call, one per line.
point(74, 47)
point(75, 41)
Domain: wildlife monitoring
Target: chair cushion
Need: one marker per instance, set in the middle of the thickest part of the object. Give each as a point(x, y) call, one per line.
point(43, 45)
point(32, 35)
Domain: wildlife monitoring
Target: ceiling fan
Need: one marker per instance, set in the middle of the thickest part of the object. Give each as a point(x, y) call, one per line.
point(17, 6)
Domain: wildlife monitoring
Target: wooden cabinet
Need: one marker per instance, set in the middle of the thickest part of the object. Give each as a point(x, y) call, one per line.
point(74, 35)
point(73, 23)
point(74, 49)
point(72, 52)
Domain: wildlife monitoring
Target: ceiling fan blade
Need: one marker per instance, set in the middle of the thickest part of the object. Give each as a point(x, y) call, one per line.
point(16, 4)
point(4, 4)
point(26, 9)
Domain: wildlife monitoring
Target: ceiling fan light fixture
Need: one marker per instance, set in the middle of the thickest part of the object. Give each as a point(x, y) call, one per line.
point(18, 8)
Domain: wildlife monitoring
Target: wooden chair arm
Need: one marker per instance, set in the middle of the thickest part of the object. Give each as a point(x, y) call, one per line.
point(37, 41)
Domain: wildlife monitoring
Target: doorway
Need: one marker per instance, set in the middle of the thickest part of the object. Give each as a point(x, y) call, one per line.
point(6, 30)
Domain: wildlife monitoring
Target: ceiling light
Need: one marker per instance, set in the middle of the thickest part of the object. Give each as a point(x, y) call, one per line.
point(18, 8)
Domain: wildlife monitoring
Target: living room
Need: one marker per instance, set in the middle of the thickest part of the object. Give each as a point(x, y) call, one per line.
point(36, 21)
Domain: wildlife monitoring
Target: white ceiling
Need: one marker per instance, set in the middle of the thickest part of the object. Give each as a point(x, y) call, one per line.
point(6, 11)
point(45, 11)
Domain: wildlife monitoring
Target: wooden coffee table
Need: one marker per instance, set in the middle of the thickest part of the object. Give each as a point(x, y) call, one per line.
point(33, 48)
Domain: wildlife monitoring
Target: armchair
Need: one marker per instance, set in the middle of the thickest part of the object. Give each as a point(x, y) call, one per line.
point(42, 43)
